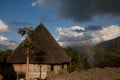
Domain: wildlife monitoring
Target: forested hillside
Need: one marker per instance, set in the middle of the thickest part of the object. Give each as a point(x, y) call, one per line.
point(104, 54)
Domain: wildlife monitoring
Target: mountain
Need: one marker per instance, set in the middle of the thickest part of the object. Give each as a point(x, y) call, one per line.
point(109, 43)
point(108, 53)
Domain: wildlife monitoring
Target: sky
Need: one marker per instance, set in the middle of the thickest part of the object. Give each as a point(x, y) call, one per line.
point(71, 22)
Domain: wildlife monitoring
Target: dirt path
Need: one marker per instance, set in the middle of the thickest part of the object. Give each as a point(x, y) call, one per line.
point(91, 74)
point(97, 74)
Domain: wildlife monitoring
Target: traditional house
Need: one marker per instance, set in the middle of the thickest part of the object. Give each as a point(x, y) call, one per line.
point(47, 55)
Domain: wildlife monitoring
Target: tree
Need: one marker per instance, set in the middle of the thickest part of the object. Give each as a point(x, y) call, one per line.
point(83, 59)
point(78, 60)
point(4, 54)
point(74, 58)
point(28, 45)
point(100, 55)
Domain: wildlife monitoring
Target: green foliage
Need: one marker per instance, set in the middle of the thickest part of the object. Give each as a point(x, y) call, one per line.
point(83, 60)
point(78, 60)
point(4, 54)
point(24, 31)
point(28, 44)
point(74, 58)
point(100, 55)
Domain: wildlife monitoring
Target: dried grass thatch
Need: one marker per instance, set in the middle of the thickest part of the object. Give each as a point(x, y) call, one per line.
point(45, 51)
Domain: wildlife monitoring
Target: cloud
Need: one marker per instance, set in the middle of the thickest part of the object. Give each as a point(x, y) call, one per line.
point(37, 3)
point(3, 38)
point(45, 4)
point(22, 38)
point(108, 33)
point(3, 27)
point(7, 44)
point(81, 10)
point(78, 36)
point(70, 31)
point(17, 23)
point(93, 27)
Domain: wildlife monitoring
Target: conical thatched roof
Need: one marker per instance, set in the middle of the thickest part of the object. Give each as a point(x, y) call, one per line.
point(46, 50)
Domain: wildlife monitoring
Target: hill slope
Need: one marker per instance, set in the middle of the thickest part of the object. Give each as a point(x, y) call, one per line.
point(91, 74)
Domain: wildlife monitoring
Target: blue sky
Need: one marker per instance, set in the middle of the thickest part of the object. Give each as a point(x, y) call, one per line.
point(70, 22)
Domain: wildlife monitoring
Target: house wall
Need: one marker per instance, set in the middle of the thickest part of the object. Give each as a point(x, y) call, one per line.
point(35, 69)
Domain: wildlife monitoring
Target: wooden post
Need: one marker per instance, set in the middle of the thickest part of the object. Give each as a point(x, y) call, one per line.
point(27, 72)
point(40, 71)
point(27, 63)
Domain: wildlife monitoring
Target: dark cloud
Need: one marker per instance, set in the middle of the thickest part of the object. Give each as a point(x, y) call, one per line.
point(85, 10)
point(78, 38)
point(78, 30)
point(108, 6)
point(93, 28)
point(81, 10)
point(17, 23)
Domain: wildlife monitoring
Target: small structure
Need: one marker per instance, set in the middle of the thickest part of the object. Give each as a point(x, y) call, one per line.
point(47, 56)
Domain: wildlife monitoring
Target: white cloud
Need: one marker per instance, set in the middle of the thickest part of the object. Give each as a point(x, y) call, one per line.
point(23, 38)
point(2, 38)
point(70, 32)
point(38, 2)
point(42, 3)
point(107, 33)
point(110, 32)
point(46, 4)
point(72, 36)
point(3, 27)
point(7, 44)
point(77, 35)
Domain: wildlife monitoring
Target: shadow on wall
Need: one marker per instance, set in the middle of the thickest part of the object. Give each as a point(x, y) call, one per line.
point(7, 71)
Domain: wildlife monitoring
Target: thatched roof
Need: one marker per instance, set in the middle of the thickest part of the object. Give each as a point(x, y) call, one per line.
point(46, 50)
